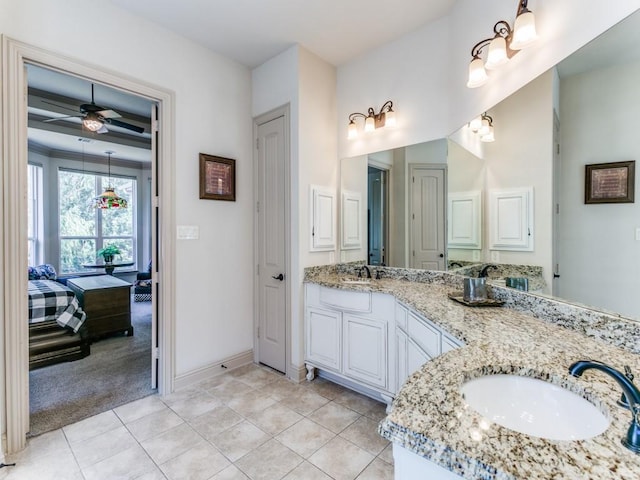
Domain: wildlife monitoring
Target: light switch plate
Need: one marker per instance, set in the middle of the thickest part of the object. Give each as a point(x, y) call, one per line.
point(188, 232)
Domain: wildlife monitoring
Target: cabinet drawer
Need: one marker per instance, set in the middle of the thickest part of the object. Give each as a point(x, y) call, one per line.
point(425, 335)
point(346, 300)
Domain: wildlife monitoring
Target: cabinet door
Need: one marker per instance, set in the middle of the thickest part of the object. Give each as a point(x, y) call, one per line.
point(365, 350)
point(324, 337)
point(416, 357)
point(424, 334)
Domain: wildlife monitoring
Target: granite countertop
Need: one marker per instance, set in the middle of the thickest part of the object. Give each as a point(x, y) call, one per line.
point(430, 417)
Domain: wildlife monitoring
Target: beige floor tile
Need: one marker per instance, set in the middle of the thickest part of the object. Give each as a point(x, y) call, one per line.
point(247, 405)
point(387, 454)
point(196, 405)
point(305, 437)
point(258, 377)
point(239, 440)
point(213, 423)
point(364, 433)
point(229, 390)
point(360, 403)
point(37, 447)
point(182, 394)
point(280, 389)
point(105, 445)
point(324, 388)
point(154, 474)
point(334, 417)
point(171, 443)
point(215, 381)
point(92, 426)
point(304, 402)
point(154, 424)
point(275, 419)
point(199, 463)
point(377, 470)
point(306, 471)
point(341, 459)
point(140, 408)
point(230, 473)
point(129, 464)
point(271, 461)
point(249, 367)
point(53, 466)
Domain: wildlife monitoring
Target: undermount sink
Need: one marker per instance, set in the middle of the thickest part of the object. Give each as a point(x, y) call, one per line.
point(356, 281)
point(534, 407)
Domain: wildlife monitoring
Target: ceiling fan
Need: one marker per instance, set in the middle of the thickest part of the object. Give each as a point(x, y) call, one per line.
point(94, 117)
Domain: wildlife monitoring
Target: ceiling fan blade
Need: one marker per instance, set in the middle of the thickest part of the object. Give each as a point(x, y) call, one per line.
point(61, 118)
point(59, 105)
point(128, 126)
point(104, 129)
point(109, 114)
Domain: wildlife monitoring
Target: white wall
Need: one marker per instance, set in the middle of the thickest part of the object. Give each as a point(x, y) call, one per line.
point(599, 254)
point(213, 318)
point(353, 178)
point(307, 83)
point(521, 156)
point(425, 73)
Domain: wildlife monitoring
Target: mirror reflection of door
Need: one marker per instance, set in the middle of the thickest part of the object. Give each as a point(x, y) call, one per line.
point(377, 214)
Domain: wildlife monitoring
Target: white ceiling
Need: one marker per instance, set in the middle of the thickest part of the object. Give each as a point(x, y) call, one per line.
point(253, 31)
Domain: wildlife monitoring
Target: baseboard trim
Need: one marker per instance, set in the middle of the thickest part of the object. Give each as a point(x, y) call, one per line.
point(213, 370)
point(297, 374)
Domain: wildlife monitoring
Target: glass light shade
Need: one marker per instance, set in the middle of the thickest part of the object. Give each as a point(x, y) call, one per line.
point(352, 130)
point(484, 128)
point(92, 122)
point(390, 119)
point(489, 136)
point(524, 31)
point(109, 199)
point(475, 124)
point(477, 73)
point(370, 124)
point(497, 55)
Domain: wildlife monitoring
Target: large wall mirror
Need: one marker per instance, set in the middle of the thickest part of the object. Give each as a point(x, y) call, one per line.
point(438, 203)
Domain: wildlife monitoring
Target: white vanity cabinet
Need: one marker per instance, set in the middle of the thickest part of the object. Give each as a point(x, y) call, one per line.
point(417, 341)
point(346, 333)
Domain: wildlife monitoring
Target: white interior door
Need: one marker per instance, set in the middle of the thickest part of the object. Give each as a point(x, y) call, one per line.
point(428, 232)
point(271, 180)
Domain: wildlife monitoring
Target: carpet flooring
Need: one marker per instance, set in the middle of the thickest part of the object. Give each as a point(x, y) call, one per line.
point(118, 371)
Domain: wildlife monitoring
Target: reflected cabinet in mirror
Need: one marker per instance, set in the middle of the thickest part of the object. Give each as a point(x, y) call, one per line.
point(518, 202)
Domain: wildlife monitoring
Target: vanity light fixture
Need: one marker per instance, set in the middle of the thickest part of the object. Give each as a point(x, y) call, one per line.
point(483, 126)
point(505, 43)
point(386, 117)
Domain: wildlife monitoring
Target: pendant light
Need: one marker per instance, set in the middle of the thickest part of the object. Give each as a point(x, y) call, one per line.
point(109, 199)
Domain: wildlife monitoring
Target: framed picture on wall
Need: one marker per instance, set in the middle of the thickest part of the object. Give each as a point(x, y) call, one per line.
point(217, 178)
point(610, 182)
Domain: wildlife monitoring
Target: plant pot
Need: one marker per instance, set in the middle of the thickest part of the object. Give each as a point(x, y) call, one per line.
point(108, 259)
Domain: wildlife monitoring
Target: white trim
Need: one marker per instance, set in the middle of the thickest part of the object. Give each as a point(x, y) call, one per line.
point(14, 380)
point(285, 112)
point(213, 370)
point(298, 374)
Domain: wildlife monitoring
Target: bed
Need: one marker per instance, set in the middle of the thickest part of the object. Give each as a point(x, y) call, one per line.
point(57, 329)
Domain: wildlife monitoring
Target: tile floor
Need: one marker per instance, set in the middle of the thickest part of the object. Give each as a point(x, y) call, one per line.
point(249, 423)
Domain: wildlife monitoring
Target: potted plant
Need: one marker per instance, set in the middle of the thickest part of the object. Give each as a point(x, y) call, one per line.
point(108, 253)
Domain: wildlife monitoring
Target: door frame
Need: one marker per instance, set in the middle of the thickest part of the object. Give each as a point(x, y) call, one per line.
point(283, 111)
point(14, 365)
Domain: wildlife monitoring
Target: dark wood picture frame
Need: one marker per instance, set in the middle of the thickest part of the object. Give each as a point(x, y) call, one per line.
point(217, 178)
point(610, 182)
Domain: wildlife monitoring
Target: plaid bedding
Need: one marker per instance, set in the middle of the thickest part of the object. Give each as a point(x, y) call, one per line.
point(50, 300)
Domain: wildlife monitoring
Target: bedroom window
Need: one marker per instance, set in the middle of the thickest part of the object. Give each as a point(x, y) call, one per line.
point(84, 229)
point(35, 215)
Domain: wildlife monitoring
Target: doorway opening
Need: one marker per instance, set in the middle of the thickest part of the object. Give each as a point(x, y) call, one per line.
point(377, 215)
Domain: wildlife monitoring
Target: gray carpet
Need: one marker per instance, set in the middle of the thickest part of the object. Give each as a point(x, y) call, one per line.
point(118, 371)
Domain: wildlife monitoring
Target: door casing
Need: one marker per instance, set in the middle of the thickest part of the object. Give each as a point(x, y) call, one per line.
point(14, 378)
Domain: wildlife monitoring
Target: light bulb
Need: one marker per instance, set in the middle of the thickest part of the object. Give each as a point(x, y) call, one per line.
point(369, 124)
point(390, 119)
point(524, 31)
point(477, 73)
point(497, 55)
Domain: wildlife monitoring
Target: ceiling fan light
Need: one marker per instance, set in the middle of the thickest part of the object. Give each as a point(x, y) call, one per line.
point(524, 31)
point(477, 73)
point(497, 55)
point(92, 122)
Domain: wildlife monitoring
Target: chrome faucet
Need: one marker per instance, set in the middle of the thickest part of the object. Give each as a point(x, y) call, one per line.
point(631, 392)
point(485, 270)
